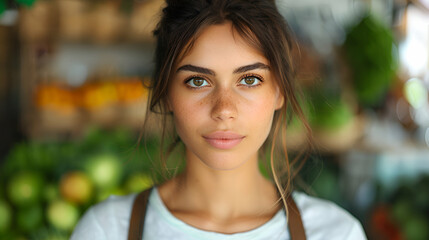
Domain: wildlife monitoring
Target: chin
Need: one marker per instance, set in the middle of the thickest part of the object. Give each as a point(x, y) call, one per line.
point(224, 161)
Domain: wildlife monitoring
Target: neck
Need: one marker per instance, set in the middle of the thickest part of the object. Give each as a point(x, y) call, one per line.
point(221, 194)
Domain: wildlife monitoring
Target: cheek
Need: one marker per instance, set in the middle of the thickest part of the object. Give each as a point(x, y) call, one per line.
point(259, 115)
point(187, 112)
point(264, 115)
point(261, 106)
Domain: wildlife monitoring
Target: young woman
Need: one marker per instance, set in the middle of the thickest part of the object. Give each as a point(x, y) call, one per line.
point(224, 76)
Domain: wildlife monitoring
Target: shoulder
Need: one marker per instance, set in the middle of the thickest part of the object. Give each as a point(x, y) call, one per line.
point(323, 219)
point(115, 206)
point(111, 215)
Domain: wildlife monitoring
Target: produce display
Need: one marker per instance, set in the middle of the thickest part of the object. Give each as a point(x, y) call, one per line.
point(103, 101)
point(91, 95)
point(49, 185)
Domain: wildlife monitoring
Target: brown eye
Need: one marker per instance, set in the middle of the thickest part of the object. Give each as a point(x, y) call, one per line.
point(196, 82)
point(250, 81)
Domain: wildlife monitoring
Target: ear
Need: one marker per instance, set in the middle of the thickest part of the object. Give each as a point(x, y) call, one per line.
point(279, 101)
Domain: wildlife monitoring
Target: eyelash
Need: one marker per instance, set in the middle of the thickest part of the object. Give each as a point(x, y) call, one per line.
point(260, 78)
point(187, 80)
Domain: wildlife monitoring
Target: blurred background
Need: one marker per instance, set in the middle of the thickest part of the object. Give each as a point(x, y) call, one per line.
point(73, 98)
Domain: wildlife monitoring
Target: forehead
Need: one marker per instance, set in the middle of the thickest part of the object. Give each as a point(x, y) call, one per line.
point(222, 44)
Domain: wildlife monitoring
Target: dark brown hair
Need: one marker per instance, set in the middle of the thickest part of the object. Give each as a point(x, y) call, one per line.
point(259, 23)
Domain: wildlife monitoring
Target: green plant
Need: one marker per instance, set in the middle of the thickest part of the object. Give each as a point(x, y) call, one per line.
point(371, 53)
point(4, 4)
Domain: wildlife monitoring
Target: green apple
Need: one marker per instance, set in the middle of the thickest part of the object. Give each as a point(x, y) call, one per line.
point(25, 188)
point(62, 215)
point(105, 170)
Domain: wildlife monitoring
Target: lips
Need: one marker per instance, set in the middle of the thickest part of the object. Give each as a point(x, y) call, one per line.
point(223, 139)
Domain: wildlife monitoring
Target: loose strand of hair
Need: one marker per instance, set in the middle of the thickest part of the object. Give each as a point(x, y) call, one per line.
point(281, 190)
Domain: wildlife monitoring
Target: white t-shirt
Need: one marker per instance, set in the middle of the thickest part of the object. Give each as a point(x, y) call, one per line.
point(109, 220)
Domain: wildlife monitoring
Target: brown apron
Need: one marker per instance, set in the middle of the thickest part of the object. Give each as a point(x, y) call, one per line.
point(135, 232)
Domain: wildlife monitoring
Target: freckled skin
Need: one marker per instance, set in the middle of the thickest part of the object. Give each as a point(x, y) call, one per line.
point(224, 105)
point(222, 190)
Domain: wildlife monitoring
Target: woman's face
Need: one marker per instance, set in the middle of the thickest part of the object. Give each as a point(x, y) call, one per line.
point(223, 97)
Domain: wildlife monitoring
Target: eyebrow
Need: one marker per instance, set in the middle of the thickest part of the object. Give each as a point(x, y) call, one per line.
point(253, 66)
point(192, 68)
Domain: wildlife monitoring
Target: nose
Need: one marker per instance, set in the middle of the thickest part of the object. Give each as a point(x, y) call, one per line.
point(224, 106)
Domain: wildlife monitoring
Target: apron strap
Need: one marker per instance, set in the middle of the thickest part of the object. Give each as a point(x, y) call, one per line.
point(294, 221)
point(138, 213)
point(135, 231)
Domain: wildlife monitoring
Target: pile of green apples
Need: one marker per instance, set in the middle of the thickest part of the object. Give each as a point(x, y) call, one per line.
point(47, 187)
